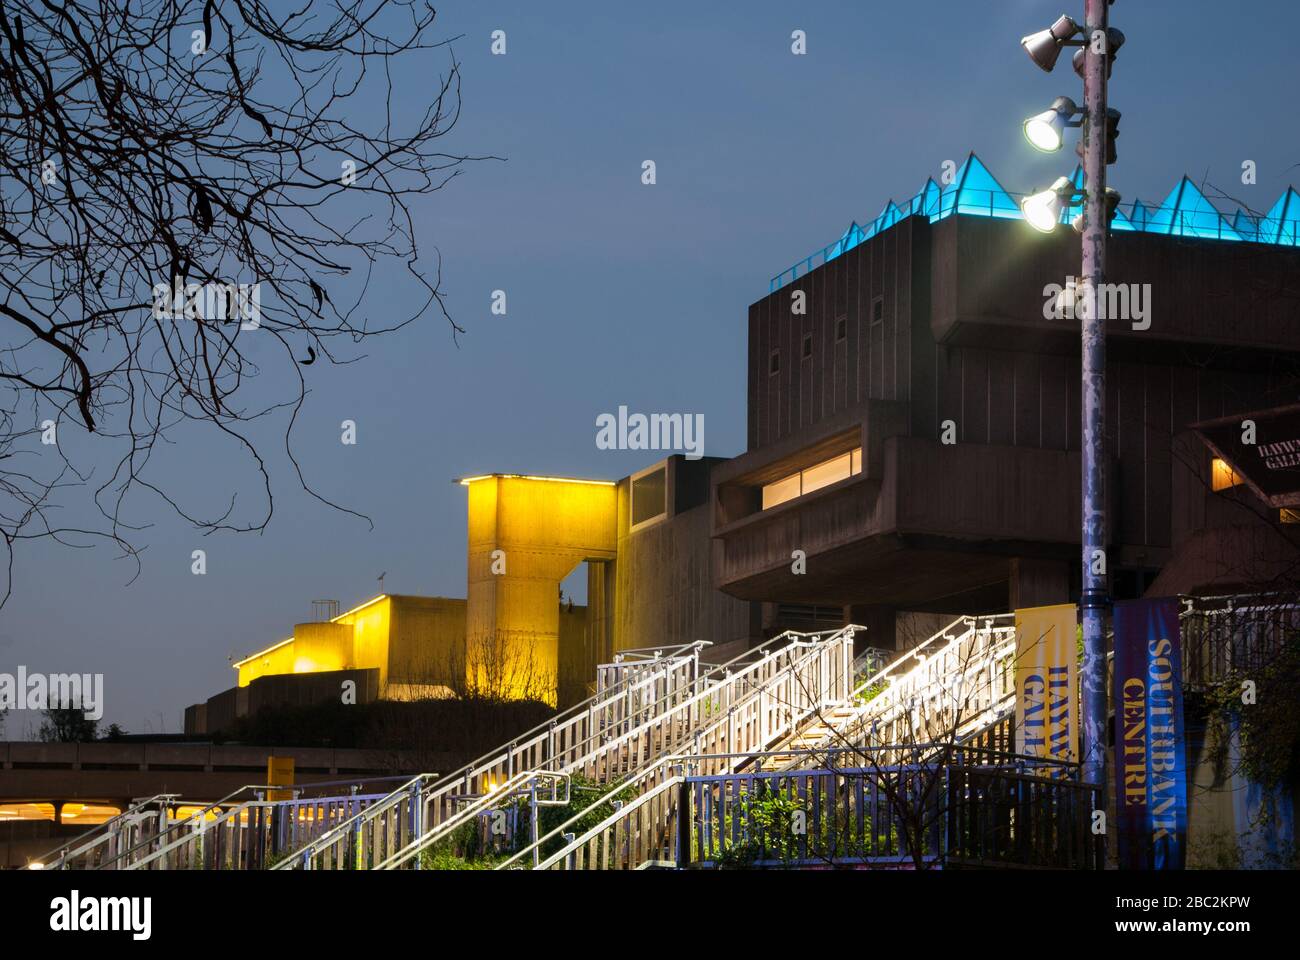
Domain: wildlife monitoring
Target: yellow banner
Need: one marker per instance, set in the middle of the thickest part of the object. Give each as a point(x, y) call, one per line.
point(1046, 702)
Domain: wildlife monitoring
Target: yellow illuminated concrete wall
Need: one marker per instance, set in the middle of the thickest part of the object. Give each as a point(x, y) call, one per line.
point(426, 647)
point(272, 660)
point(414, 642)
point(320, 647)
point(526, 534)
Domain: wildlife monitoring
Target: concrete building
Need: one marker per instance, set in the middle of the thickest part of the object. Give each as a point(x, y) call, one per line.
point(912, 454)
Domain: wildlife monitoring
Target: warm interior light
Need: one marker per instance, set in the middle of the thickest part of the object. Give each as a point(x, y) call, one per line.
point(812, 478)
point(1222, 476)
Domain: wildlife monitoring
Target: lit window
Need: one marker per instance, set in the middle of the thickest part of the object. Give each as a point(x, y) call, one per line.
point(1288, 515)
point(88, 814)
point(813, 478)
point(26, 811)
point(780, 492)
point(824, 474)
point(1222, 476)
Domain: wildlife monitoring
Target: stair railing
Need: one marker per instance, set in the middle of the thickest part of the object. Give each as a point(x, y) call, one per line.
point(812, 680)
point(103, 839)
point(613, 709)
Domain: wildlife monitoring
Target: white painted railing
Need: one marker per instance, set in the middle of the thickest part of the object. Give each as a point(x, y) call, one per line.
point(726, 725)
point(123, 831)
point(559, 745)
point(957, 682)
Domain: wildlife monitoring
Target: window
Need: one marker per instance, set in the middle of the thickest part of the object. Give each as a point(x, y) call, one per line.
point(878, 310)
point(807, 345)
point(774, 362)
point(781, 491)
point(827, 472)
point(649, 496)
point(813, 478)
point(841, 327)
point(1222, 476)
point(1289, 515)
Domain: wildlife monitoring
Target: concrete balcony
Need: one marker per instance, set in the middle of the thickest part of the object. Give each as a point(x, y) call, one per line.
point(921, 518)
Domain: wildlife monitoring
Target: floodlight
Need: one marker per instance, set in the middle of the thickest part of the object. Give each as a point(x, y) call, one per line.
point(1045, 46)
point(1114, 40)
point(1046, 131)
point(1043, 210)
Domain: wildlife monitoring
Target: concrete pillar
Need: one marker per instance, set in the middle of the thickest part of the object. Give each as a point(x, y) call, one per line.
point(526, 534)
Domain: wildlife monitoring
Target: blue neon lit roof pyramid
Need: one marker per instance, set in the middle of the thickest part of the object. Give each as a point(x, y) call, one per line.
point(974, 191)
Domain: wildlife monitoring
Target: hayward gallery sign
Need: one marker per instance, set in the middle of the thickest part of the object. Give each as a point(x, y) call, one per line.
point(1263, 448)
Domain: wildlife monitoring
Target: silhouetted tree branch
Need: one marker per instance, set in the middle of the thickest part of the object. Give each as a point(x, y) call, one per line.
point(251, 158)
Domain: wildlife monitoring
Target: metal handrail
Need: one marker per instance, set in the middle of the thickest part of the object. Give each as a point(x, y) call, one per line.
point(176, 825)
point(653, 766)
point(85, 842)
point(682, 759)
point(946, 635)
point(339, 830)
point(583, 748)
point(890, 697)
point(464, 815)
point(617, 815)
point(605, 697)
point(1188, 224)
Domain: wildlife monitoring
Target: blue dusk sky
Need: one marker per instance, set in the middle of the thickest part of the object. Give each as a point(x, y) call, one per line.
point(620, 293)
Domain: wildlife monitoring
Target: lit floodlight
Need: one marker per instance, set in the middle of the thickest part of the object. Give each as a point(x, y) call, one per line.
point(1045, 46)
point(1043, 210)
point(1046, 131)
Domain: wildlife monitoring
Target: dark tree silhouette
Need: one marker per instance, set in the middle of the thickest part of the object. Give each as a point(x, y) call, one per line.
point(250, 157)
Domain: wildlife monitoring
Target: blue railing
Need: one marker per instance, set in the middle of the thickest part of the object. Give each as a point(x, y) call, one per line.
point(1199, 223)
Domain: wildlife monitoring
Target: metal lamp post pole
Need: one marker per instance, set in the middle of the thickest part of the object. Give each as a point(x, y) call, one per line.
point(1094, 599)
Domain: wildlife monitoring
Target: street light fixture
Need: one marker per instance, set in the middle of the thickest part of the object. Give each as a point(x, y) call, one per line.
point(1044, 47)
point(1112, 207)
point(1042, 210)
point(1046, 131)
point(1114, 40)
point(1093, 63)
point(1113, 118)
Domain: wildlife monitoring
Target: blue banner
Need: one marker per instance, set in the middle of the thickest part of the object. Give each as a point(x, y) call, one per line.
point(1150, 749)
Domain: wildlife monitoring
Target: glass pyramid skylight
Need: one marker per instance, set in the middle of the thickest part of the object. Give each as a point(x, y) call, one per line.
point(974, 191)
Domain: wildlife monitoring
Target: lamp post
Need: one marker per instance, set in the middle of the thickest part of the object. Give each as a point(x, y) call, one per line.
point(1045, 131)
point(1094, 599)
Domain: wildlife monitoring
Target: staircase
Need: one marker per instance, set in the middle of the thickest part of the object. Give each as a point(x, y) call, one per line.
point(955, 689)
point(741, 705)
point(144, 817)
point(956, 685)
point(660, 728)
